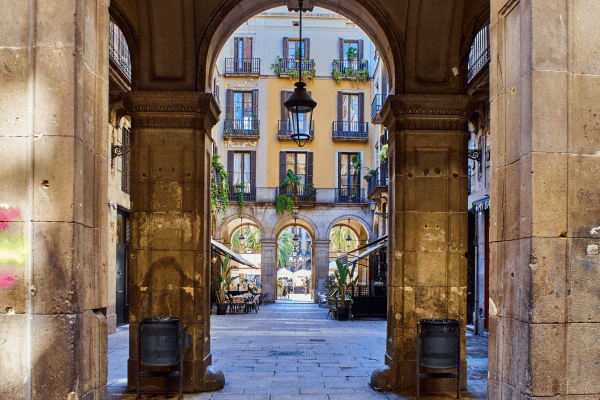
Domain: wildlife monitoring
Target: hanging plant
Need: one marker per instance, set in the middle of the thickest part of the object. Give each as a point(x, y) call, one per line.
point(219, 191)
point(338, 73)
point(383, 154)
point(240, 196)
point(292, 73)
point(284, 203)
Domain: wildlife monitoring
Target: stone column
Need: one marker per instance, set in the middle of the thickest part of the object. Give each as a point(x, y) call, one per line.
point(320, 265)
point(170, 247)
point(480, 274)
point(428, 228)
point(544, 209)
point(53, 199)
point(268, 268)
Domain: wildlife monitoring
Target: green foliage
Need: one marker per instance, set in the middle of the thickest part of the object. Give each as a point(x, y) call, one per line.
point(284, 203)
point(240, 196)
point(356, 162)
point(352, 53)
point(383, 154)
point(252, 235)
point(337, 239)
point(222, 278)
point(354, 75)
point(285, 247)
point(292, 179)
point(343, 281)
point(310, 190)
point(307, 74)
point(219, 191)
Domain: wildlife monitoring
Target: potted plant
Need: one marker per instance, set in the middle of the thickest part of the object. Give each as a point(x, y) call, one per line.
point(343, 281)
point(370, 173)
point(219, 191)
point(310, 191)
point(222, 281)
point(292, 180)
point(284, 203)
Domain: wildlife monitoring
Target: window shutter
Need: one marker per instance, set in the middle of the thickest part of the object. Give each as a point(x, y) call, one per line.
point(286, 47)
point(229, 103)
point(236, 50)
point(230, 167)
point(282, 163)
point(255, 102)
point(253, 169)
point(339, 170)
point(307, 48)
point(361, 109)
point(341, 49)
point(309, 167)
point(340, 116)
point(284, 111)
point(361, 49)
point(384, 84)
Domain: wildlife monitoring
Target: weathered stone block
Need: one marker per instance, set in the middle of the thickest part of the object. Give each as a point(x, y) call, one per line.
point(14, 102)
point(512, 204)
point(584, 281)
point(584, 59)
point(14, 361)
point(584, 210)
point(166, 231)
point(548, 368)
point(513, 124)
point(432, 194)
point(583, 363)
point(549, 111)
point(548, 266)
point(584, 129)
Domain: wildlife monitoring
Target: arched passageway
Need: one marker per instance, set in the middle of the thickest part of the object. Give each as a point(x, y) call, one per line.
point(541, 178)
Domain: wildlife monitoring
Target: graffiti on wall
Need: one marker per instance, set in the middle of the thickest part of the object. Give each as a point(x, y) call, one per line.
point(13, 248)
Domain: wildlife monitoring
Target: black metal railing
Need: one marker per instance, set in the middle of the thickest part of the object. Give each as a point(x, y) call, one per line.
point(348, 67)
point(242, 66)
point(479, 56)
point(285, 128)
point(248, 192)
point(378, 178)
point(304, 193)
point(469, 181)
point(241, 127)
point(349, 194)
point(350, 130)
point(384, 138)
point(119, 51)
point(377, 104)
point(287, 65)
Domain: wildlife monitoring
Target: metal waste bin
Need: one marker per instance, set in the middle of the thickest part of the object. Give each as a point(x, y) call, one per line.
point(160, 344)
point(438, 347)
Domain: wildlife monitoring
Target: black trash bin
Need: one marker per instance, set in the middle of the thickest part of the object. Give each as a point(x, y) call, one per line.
point(438, 347)
point(160, 344)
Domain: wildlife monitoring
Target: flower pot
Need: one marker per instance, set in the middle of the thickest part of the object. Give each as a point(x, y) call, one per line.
point(222, 308)
point(296, 198)
point(343, 313)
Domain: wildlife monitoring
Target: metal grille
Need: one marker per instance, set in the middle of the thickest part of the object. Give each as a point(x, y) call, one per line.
point(119, 51)
point(350, 66)
point(241, 127)
point(285, 128)
point(125, 175)
point(351, 130)
point(479, 56)
point(287, 65)
point(349, 194)
point(242, 66)
point(248, 193)
point(377, 104)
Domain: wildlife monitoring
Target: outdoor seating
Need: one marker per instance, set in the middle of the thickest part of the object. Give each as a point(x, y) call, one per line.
point(237, 304)
point(252, 303)
point(332, 307)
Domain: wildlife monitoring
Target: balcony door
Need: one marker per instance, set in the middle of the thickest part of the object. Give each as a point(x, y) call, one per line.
point(348, 178)
point(243, 54)
point(243, 109)
point(241, 166)
point(301, 163)
point(350, 112)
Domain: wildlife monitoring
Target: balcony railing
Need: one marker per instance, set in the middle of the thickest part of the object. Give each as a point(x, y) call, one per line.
point(284, 66)
point(376, 105)
point(349, 194)
point(247, 66)
point(378, 179)
point(347, 67)
point(480, 53)
point(248, 193)
point(303, 193)
point(384, 138)
point(119, 51)
point(285, 129)
point(345, 130)
point(241, 128)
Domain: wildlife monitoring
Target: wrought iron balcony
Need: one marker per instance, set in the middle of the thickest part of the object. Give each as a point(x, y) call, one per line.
point(248, 193)
point(379, 178)
point(285, 130)
point(376, 106)
point(349, 194)
point(305, 193)
point(384, 138)
point(242, 66)
point(345, 130)
point(119, 51)
point(242, 128)
point(480, 53)
point(348, 67)
point(284, 66)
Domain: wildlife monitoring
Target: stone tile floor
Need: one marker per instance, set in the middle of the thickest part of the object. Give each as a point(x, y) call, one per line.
point(289, 350)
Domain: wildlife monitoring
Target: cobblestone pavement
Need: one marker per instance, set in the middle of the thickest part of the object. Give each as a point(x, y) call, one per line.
point(289, 350)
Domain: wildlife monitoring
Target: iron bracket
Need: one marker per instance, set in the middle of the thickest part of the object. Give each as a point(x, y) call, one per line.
point(474, 154)
point(118, 151)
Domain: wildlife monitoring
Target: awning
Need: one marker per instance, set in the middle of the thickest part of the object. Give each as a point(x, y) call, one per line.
point(368, 251)
point(219, 248)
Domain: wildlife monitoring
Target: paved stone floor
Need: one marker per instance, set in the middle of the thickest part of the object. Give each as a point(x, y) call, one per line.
point(289, 350)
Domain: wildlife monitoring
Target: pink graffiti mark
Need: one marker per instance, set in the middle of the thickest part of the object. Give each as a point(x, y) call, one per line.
point(7, 279)
point(6, 215)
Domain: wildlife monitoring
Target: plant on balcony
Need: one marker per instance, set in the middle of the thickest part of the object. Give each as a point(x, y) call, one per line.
point(240, 196)
point(370, 173)
point(383, 154)
point(219, 191)
point(292, 73)
point(293, 180)
point(343, 282)
point(338, 73)
point(284, 203)
point(310, 191)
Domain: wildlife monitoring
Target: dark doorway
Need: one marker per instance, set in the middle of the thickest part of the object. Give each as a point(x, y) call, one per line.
point(122, 299)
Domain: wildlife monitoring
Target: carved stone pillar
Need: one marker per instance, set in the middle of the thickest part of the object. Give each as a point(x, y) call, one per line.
point(170, 246)
point(320, 265)
point(427, 228)
point(268, 268)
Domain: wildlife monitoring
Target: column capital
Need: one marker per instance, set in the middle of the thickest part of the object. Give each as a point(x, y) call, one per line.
point(322, 243)
point(427, 112)
point(268, 242)
point(194, 110)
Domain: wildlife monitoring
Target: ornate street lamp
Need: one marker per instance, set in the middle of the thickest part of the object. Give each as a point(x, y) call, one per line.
point(348, 239)
point(296, 238)
point(242, 239)
point(300, 105)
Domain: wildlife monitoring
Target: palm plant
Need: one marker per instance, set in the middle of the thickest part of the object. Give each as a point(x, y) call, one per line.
point(343, 281)
point(222, 278)
point(285, 247)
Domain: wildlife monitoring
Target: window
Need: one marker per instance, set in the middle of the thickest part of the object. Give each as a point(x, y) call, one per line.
point(242, 55)
point(350, 111)
point(356, 44)
point(350, 44)
point(241, 166)
point(243, 108)
point(297, 163)
point(294, 49)
point(348, 175)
